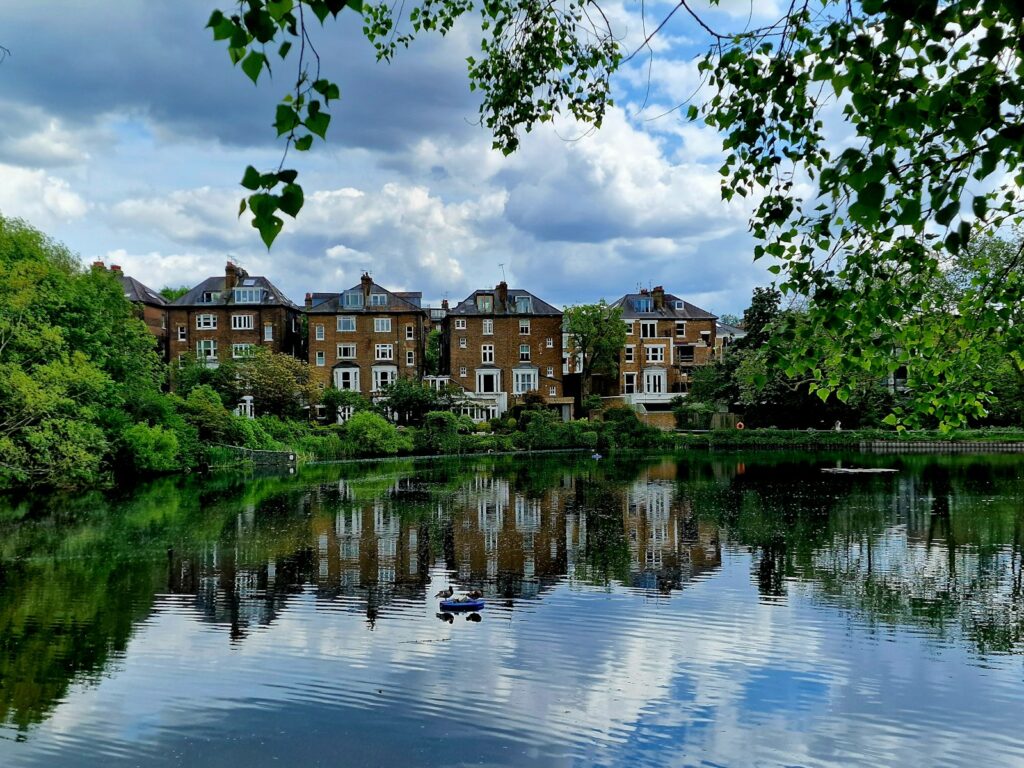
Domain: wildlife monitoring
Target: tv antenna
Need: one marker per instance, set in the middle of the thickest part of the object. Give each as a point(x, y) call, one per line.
point(501, 266)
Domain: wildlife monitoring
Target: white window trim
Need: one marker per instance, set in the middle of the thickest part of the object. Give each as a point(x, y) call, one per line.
point(410, 358)
point(486, 353)
point(382, 325)
point(524, 327)
point(528, 353)
point(342, 356)
point(182, 333)
point(243, 322)
point(410, 332)
point(203, 344)
point(460, 324)
point(321, 358)
point(320, 333)
point(488, 327)
point(645, 324)
point(341, 319)
point(630, 355)
point(380, 348)
point(206, 322)
point(524, 377)
point(463, 342)
point(654, 348)
point(630, 327)
point(549, 342)
point(268, 332)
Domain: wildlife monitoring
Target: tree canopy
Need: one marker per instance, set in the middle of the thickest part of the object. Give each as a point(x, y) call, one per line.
point(596, 335)
point(861, 230)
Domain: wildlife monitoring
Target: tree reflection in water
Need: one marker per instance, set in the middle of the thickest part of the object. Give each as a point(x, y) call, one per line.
point(937, 546)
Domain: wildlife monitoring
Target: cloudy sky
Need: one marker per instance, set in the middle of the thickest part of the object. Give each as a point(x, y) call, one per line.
point(126, 130)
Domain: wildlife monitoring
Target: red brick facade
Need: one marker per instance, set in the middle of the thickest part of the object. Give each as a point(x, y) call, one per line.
point(505, 341)
point(363, 338)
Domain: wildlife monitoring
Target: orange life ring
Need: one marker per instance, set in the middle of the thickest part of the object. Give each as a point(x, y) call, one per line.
point(739, 425)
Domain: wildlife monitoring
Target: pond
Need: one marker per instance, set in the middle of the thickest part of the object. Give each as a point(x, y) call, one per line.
point(722, 609)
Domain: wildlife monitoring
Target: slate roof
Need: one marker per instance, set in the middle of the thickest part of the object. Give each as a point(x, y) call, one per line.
point(541, 308)
point(332, 303)
point(272, 295)
point(724, 329)
point(687, 311)
point(137, 293)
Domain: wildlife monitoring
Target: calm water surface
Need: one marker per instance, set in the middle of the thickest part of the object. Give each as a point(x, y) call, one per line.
point(698, 610)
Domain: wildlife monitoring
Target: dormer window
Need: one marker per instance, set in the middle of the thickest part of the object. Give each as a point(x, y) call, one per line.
point(679, 305)
point(485, 302)
point(248, 295)
point(524, 305)
point(210, 296)
point(353, 299)
point(644, 304)
point(378, 299)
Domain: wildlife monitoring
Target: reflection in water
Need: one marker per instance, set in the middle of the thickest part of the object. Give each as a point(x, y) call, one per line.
point(637, 611)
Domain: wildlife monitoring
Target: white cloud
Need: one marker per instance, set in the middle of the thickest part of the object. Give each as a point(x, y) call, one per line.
point(33, 194)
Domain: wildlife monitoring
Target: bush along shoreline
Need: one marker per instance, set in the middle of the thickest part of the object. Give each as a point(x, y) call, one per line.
point(854, 439)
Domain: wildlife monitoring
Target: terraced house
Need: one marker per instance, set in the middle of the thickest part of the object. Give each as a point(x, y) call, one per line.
point(227, 317)
point(666, 338)
point(364, 338)
point(503, 344)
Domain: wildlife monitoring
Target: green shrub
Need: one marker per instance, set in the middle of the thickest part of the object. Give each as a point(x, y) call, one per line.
point(151, 449)
point(373, 435)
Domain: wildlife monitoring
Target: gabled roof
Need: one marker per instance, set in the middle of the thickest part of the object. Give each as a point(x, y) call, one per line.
point(137, 293)
point(673, 308)
point(539, 308)
point(272, 295)
point(333, 304)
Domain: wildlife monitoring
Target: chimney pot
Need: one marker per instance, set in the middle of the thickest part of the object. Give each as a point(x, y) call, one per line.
point(98, 265)
point(309, 300)
point(444, 303)
point(115, 267)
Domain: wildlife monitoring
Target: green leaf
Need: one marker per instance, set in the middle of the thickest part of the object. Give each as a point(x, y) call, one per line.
point(269, 228)
point(251, 178)
point(285, 47)
point(253, 65)
point(291, 199)
point(303, 143)
point(355, 5)
point(286, 119)
point(317, 123)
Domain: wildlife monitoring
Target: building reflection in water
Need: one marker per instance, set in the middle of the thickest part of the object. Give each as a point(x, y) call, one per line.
point(497, 533)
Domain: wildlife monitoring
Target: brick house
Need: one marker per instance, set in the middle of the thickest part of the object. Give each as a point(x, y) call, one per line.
point(226, 317)
point(366, 337)
point(150, 306)
point(502, 344)
point(666, 338)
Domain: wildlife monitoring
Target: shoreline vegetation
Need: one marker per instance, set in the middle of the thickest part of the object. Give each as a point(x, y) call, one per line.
point(85, 400)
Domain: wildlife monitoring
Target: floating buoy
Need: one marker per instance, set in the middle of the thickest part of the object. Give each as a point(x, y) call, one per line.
point(739, 425)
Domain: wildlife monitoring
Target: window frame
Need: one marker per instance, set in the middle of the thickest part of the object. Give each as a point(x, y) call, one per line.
point(378, 348)
point(486, 354)
point(343, 320)
point(320, 332)
point(382, 325)
point(342, 356)
point(206, 322)
point(524, 349)
point(237, 323)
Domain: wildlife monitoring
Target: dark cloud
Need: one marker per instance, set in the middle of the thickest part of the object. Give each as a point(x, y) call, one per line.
point(79, 60)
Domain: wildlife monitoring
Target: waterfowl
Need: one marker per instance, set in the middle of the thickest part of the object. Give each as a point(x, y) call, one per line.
point(444, 594)
point(445, 616)
point(474, 617)
point(476, 594)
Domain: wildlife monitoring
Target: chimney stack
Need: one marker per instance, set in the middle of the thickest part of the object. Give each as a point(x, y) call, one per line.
point(98, 265)
point(659, 297)
point(115, 268)
point(230, 275)
point(367, 283)
point(309, 301)
point(502, 295)
point(444, 304)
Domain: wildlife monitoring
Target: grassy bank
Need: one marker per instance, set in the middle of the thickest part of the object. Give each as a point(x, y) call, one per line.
point(793, 438)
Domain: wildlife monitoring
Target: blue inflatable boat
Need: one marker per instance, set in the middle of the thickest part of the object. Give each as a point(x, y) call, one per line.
point(462, 604)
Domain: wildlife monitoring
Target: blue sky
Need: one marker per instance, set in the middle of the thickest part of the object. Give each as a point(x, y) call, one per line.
point(126, 131)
